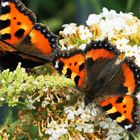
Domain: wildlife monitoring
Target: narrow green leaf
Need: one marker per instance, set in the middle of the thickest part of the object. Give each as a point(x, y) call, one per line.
point(129, 5)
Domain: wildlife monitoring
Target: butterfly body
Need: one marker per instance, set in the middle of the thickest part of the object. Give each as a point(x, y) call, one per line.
point(106, 76)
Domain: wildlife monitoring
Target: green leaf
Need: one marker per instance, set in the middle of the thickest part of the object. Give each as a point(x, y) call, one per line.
point(129, 5)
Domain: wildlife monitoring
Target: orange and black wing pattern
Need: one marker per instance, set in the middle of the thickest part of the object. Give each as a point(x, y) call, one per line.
point(119, 80)
point(105, 68)
point(131, 73)
point(16, 21)
point(72, 65)
point(122, 109)
point(101, 49)
point(100, 70)
point(101, 57)
point(22, 37)
point(99, 52)
point(40, 42)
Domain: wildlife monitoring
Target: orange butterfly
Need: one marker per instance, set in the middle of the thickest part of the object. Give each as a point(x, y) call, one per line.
point(99, 72)
point(22, 39)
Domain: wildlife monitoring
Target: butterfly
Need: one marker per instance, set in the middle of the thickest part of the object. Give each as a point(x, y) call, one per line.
point(22, 39)
point(102, 74)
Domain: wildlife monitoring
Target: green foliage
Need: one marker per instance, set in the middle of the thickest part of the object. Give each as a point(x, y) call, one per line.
point(19, 84)
point(29, 99)
point(56, 13)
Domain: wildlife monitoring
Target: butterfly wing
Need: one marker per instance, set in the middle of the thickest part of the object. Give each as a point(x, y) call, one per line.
point(101, 58)
point(11, 60)
point(131, 73)
point(72, 65)
point(122, 109)
point(39, 42)
point(16, 21)
point(118, 79)
point(107, 74)
point(23, 40)
point(98, 54)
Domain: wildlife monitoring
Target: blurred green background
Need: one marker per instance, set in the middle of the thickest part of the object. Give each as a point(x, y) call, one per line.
point(55, 13)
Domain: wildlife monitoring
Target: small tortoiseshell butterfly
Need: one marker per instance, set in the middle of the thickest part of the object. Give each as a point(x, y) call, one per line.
point(100, 72)
point(21, 38)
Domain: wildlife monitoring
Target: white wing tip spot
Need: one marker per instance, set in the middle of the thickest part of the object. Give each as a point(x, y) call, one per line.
point(5, 4)
point(56, 64)
point(128, 126)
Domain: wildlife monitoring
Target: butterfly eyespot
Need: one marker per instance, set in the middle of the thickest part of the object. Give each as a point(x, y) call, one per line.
point(44, 31)
point(47, 35)
point(75, 63)
point(124, 106)
point(95, 45)
point(52, 39)
point(38, 27)
point(100, 45)
point(18, 23)
point(53, 45)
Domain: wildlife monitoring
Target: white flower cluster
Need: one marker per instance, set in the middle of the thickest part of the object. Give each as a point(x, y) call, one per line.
point(111, 23)
point(129, 50)
point(122, 30)
point(56, 130)
point(118, 27)
point(77, 117)
point(75, 36)
point(82, 119)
